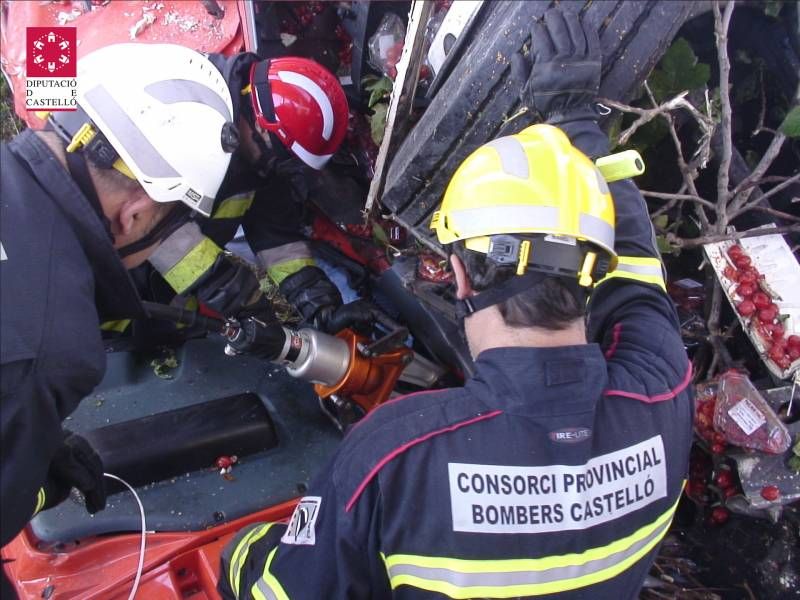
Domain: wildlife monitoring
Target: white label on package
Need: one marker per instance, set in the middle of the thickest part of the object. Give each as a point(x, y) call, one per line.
point(511, 499)
point(747, 416)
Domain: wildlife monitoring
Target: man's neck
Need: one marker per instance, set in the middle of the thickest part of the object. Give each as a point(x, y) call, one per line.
point(486, 329)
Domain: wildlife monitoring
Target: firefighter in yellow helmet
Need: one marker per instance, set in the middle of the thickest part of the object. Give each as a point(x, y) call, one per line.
point(555, 471)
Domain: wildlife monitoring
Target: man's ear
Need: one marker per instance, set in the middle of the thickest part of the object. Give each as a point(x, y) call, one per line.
point(132, 210)
point(463, 285)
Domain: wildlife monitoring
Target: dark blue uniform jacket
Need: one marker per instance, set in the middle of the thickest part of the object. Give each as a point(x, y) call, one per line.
point(553, 471)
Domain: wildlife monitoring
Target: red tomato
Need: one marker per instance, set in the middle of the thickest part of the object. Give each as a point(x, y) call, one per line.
point(719, 515)
point(746, 308)
point(761, 300)
point(770, 492)
point(730, 491)
point(778, 331)
point(735, 251)
point(731, 273)
point(742, 262)
point(793, 353)
point(724, 479)
point(768, 314)
point(776, 353)
point(717, 448)
point(784, 362)
point(748, 276)
point(745, 290)
point(793, 341)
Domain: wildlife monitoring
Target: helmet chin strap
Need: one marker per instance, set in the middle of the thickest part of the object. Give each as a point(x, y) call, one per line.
point(178, 216)
point(510, 288)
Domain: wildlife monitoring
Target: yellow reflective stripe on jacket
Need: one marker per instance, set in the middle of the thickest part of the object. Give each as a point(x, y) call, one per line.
point(239, 556)
point(459, 578)
point(281, 271)
point(192, 266)
point(41, 498)
point(235, 206)
point(118, 326)
point(268, 588)
point(639, 268)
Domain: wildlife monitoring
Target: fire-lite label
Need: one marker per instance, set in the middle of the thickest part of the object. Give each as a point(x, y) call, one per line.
point(510, 499)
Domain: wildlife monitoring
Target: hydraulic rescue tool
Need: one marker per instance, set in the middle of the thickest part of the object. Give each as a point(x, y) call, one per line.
point(351, 373)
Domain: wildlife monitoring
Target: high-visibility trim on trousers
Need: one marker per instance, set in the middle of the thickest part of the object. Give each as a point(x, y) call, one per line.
point(459, 578)
point(267, 587)
point(239, 556)
point(639, 268)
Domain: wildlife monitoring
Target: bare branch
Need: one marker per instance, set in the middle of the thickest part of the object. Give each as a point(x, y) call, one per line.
point(721, 24)
point(778, 188)
point(773, 212)
point(683, 243)
point(688, 197)
point(648, 114)
point(739, 196)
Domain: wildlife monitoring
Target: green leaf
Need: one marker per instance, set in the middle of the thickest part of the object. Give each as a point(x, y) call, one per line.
point(377, 122)
point(678, 71)
point(661, 221)
point(379, 235)
point(773, 7)
point(663, 245)
point(377, 90)
point(791, 123)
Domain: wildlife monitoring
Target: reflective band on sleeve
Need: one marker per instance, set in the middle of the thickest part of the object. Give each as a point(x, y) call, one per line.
point(118, 326)
point(41, 498)
point(639, 268)
point(240, 554)
point(193, 266)
point(235, 206)
point(458, 578)
point(281, 271)
point(185, 256)
point(268, 588)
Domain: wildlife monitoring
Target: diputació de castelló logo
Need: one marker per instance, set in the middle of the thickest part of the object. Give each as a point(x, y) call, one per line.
point(51, 68)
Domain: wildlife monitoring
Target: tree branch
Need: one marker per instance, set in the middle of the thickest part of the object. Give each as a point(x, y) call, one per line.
point(684, 243)
point(778, 188)
point(740, 196)
point(721, 25)
point(688, 197)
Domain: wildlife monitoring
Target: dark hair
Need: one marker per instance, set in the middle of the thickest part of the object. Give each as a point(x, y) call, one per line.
point(549, 304)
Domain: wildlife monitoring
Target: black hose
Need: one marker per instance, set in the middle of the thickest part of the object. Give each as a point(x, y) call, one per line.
point(190, 318)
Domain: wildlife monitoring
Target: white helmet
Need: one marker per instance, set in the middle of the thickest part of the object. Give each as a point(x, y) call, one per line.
point(165, 109)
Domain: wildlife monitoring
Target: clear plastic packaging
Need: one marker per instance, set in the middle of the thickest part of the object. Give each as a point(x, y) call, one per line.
point(386, 44)
point(745, 418)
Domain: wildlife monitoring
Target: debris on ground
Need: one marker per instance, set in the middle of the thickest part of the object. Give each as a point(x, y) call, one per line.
point(163, 367)
point(147, 19)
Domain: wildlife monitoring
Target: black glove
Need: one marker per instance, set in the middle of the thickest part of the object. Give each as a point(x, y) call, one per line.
point(228, 286)
point(313, 294)
point(75, 465)
point(565, 78)
point(359, 314)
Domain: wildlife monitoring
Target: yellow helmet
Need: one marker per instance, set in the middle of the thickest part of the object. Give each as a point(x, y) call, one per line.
point(532, 199)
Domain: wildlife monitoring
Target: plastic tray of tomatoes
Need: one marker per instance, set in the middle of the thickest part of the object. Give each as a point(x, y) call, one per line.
point(771, 321)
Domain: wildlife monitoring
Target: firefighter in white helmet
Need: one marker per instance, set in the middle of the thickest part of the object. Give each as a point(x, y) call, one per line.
point(83, 201)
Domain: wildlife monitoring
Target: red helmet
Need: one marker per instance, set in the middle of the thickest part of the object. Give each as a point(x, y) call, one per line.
point(303, 104)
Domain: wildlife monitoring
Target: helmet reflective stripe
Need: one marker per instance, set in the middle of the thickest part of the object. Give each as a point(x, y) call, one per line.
point(133, 142)
point(312, 160)
point(182, 90)
point(163, 108)
point(512, 156)
point(319, 96)
point(597, 230)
